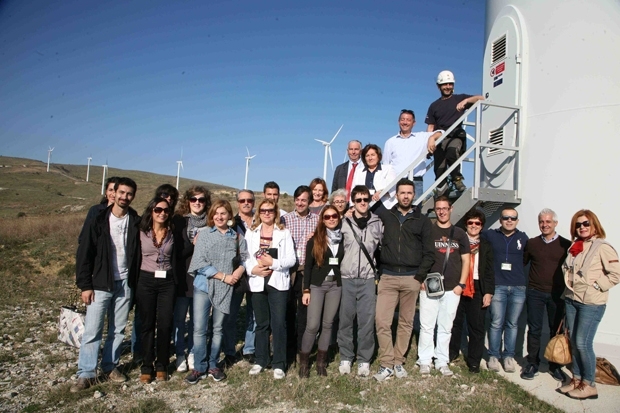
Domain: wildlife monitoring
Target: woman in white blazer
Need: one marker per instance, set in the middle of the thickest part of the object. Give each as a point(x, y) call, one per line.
point(375, 176)
point(272, 254)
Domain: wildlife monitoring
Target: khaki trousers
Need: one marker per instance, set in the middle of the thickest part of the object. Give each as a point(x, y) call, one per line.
point(394, 290)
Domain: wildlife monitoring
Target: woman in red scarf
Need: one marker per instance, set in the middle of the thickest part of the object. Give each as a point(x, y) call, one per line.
point(590, 270)
point(477, 295)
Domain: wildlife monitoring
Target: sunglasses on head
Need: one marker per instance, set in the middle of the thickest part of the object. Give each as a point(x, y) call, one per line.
point(201, 200)
point(584, 223)
point(358, 200)
point(166, 195)
point(328, 216)
point(245, 201)
point(474, 223)
point(267, 211)
point(509, 218)
point(159, 210)
point(409, 111)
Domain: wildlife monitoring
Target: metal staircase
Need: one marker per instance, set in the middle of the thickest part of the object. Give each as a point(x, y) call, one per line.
point(494, 152)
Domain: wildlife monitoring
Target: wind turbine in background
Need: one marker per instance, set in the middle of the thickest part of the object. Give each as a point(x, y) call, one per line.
point(247, 167)
point(90, 158)
point(328, 150)
point(105, 173)
point(49, 157)
point(179, 167)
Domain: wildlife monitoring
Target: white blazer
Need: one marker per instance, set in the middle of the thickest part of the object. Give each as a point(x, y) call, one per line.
point(381, 180)
point(280, 278)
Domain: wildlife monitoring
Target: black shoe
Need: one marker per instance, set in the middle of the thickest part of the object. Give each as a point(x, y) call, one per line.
point(529, 372)
point(217, 374)
point(194, 376)
point(228, 362)
point(250, 358)
point(474, 369)
point(558, 375)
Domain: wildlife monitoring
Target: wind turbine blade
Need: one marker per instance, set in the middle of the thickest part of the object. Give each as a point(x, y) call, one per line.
point(323, 142)
point(246, 148)
point(330, 157)
point(252, 156)
point(182, 166)
point(334, 138)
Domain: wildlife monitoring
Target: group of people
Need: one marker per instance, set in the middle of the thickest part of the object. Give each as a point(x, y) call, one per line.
point(336, 267)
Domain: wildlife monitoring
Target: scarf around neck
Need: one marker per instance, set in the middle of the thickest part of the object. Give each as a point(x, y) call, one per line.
point(334, 236)
point(194, 222)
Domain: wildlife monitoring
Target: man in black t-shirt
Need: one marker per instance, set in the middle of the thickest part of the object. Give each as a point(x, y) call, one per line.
point(442, 114)
point(440, 310)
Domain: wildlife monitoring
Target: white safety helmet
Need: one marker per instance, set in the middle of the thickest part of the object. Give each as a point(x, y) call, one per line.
point(445, 76)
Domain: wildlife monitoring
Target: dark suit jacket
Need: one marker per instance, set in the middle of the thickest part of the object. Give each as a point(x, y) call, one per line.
point(485, 267)
point(315, 275)
point(340, 176)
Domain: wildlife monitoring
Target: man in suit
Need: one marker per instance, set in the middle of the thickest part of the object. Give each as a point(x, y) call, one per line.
point(343, 175)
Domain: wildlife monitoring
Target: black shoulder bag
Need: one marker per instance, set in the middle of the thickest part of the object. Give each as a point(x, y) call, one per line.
point(364, 250)
point(433, 283)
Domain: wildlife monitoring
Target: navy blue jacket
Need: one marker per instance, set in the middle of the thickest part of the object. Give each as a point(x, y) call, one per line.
point(508, 250)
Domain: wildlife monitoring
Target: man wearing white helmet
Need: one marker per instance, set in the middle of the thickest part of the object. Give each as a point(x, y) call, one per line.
point(442, 113)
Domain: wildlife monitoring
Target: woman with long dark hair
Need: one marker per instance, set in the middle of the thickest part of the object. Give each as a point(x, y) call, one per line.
point(319, 195)
point(190, 217)
point(591, 269)
point(322, 288)
point(155, 291)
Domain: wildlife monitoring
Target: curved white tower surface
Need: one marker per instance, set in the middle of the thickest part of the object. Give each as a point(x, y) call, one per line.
point(562, 65)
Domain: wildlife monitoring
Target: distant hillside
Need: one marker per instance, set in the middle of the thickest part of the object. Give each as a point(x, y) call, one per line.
point(26, 187)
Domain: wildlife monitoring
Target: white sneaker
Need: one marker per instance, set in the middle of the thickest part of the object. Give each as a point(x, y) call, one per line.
point(257, 368)
point(445, 370)
point(363, 369)
point(493, 364)
point(181, 364)
point(509, 365)
point(383, 374)
point(425, 369)
point(278, 374)
point(344, 367)
point(190, 361)
point(400, 372)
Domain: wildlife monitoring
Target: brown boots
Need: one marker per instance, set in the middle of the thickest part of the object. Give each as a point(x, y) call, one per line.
point(304, 365)
point(321, 363)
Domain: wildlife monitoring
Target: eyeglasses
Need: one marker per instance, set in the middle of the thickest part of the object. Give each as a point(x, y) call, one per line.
point(328, 216)
point(339, 202)
point(266, 211)
point(584, 223)
point(509, 218)
point(159, 210)
point(474, 223)
point(358, 200)
point(201, 200)
point(442, 209)
point(245, 201)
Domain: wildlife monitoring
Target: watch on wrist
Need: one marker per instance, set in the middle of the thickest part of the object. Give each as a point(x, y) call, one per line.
point(462, 286)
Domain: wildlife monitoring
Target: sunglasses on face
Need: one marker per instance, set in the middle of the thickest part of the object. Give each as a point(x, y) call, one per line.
point(266, 211)
point(509, 218)
point(474, 223)
point(201, 200)
point(245, 201)
point(159, 210)
point(358, 200)
point(328, 216)
point(584, 223)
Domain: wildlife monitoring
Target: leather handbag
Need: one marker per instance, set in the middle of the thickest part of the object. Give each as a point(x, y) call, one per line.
point(558, 349)
point(606, 373)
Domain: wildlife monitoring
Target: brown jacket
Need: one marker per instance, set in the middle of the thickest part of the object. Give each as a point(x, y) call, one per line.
point(598, 262)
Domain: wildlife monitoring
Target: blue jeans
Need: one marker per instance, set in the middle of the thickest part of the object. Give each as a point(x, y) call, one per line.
point(202, 310)
point(418, 187)
point(536, 303)
point(230, 326)
point(505, 308)
point(582, 321)
point(181, 307)
point(116, 305)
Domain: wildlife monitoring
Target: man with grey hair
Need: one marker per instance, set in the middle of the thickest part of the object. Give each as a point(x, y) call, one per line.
point(545, 254)
point(343, 175)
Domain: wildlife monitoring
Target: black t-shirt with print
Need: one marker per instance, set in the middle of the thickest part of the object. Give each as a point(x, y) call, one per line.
point(458, 245)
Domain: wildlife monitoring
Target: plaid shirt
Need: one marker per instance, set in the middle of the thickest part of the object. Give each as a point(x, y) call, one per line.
point(301, 228)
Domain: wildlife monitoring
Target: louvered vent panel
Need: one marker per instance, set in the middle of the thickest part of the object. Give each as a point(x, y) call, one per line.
point(496, 137)
point(499, 49)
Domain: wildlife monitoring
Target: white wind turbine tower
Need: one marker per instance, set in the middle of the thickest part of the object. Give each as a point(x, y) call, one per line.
point(328, 150)
point(49, 156)
point(179, 167)
point(247, 167)
point(90, 158)
point(105, 173)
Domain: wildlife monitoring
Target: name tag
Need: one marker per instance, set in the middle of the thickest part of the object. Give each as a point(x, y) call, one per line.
point(506, 266)
point(333, 261)
point(299, 256)
point(160, 274)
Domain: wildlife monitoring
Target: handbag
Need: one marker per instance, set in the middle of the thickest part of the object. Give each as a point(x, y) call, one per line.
point(433, 283)
point(365, 251)
point(71, 326)
point(558, 349)
point(606, 373)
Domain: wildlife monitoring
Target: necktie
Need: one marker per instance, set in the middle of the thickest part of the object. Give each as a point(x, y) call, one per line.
point(350, 180)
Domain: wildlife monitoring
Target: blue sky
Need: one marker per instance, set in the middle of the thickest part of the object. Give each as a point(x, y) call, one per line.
point(135, 81)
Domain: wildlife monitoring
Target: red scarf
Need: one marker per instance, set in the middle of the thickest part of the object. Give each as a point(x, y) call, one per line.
point(474, 246)
point(577, 247)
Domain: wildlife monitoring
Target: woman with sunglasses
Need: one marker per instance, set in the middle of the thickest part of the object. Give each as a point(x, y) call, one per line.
point(271, 255)
point(477, 295)
point(319, 195)
point(215, 267)
point(590, 270)
point(322, 287)
point(155, 290)
point(376, 176)
point(190, 217)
